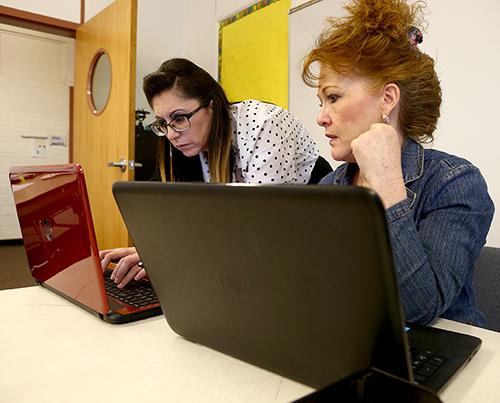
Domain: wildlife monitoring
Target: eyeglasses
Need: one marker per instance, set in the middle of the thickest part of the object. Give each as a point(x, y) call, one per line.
point(179, 123)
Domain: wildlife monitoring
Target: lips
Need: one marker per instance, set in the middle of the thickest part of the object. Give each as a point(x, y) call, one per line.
point(332, 138)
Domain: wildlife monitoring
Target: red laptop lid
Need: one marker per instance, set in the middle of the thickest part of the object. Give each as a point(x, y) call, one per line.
point(58, 233)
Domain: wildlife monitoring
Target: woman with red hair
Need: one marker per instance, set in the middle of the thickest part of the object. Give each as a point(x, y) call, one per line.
point(380, 100)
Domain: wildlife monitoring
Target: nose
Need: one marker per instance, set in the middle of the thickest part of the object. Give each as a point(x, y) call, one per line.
point(172, 134)
point(323, 119)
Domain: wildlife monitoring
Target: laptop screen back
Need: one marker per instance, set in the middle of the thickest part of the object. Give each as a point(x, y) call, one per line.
point(295, 279)
point(58, 234)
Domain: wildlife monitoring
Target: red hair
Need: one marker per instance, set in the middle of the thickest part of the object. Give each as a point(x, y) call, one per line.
point(372, 42)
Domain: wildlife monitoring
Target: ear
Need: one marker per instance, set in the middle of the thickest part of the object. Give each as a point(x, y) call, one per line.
point(390, 98)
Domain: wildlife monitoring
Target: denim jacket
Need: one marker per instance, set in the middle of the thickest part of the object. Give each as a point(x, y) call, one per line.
point(436, 233)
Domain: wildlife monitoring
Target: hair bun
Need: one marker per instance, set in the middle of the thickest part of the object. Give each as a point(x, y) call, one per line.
point(389, 18)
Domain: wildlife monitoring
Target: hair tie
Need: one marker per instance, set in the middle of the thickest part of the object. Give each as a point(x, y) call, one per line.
point(415, 36)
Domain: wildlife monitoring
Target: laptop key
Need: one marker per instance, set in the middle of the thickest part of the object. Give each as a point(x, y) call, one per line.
point(419, 378)
point(437, 360)
point(427, 369)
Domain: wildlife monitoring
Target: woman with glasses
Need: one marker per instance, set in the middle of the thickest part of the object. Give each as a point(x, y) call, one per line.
point(205, 138)
point(249, 141)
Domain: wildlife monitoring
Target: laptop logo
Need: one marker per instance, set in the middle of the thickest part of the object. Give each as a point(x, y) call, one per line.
point(234, 284)
point(47, 229)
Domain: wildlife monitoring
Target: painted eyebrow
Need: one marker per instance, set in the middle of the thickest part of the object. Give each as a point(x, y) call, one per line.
point(173, 113)
point(177, 112)
point(322, 90)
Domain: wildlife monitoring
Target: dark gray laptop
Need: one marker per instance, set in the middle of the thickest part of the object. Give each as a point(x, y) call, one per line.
point(295, 279)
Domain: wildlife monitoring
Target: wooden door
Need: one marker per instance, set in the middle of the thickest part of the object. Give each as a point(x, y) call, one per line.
point(109, 136)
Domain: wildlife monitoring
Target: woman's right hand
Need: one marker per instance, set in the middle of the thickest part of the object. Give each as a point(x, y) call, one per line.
point(378, 155)
point(127, 267)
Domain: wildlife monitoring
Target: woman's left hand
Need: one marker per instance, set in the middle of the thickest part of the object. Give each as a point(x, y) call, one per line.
point(378, 155)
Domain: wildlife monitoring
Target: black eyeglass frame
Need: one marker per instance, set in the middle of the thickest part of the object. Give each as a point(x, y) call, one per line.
point(154, 126)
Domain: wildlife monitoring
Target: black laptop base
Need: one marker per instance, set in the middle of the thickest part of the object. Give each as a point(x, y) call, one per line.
point(438, 354)
point(118, 319)
point(371, 386)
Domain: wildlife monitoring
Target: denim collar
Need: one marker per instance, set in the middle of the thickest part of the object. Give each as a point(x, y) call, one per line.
point(412, 160)
point(412, 163)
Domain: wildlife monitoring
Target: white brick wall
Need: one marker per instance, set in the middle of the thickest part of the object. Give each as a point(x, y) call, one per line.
point(34, 102)
point(68, 10)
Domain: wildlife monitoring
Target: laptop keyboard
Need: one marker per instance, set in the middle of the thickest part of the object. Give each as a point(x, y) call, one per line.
point(136, 293)
point(424, 364)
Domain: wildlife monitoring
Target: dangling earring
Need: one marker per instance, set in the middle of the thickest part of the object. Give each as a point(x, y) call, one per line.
point(172, 179)
point(386, 119)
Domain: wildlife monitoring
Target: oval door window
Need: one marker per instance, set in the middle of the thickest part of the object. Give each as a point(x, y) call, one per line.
point(99, 82)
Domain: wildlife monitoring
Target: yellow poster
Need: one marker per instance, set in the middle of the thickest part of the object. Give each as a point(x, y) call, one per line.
point(253, 53)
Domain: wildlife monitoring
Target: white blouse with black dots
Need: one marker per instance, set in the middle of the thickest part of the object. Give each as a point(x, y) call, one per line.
point(270, 145)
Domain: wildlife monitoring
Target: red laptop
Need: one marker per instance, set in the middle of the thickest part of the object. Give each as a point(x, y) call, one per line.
point(58, 233)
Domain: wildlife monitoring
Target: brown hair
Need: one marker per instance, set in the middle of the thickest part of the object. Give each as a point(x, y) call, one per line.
point(194, 82)
point(372, 42)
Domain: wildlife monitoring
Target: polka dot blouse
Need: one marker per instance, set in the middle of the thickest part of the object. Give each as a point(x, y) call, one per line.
point(269, 145)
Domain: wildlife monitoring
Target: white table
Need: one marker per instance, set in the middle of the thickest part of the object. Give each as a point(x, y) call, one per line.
point(53, 351)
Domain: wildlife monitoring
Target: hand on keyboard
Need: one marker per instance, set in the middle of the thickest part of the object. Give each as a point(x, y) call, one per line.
point(129, 265)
